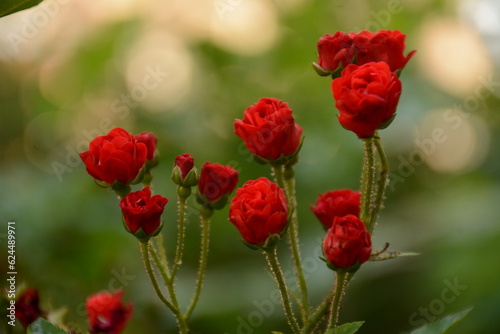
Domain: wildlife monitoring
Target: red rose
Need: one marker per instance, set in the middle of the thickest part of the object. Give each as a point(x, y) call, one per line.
point(347, 242)
point(384, 45)
point(269, 130)
point(142, 212)
point(117, 156)
point(337, 203)
point(216, 181)
point(28, 307)
point(150, 140)
point(366, 97)
point(106, 313)
point(364, 47)
point(335, 50)
point(259, 210)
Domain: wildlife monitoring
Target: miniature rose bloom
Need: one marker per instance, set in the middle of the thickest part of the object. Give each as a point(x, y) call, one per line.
point(259, 210)
point(384, 45)
point(150, 140)
point(142, 213)
point(366, 97)
point(269, 130)
point(28, 307)
point(106, 313)
point(335, 50)
point(117, 156)
point(216, 182)
point(337, 203)
point(347, 242)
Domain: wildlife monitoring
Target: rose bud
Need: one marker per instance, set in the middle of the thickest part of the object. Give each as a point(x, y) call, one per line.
point(215, 184)
point(184, 173)
point(142, 213)
point(106, 313)
point(28, 307)
point(117, 156)
point(347, 243)
point(259, 211)
point(269, 130)
point(384, 45)
point(366, 97)
point(150, 140)
point(337, 203)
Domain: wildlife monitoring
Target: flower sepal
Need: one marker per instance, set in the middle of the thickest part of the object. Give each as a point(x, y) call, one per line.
point(121, 189)
point(320, 70)
point(140, 234)
point(190, 180)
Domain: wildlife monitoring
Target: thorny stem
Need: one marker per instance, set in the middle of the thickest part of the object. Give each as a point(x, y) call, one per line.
point(381, 183)
point(367, 180)
point(180, 237)
point(340, 284)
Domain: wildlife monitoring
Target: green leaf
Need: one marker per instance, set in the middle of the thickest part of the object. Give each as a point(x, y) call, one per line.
point(349, 328)
point(442, 326)
point(11, 6)
point(42, 326)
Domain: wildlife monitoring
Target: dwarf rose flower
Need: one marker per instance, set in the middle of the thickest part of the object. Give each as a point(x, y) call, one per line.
point(142, 212)
point(28, 307)
point(337, 203)
point(366, 97)
point(150, 140)
point(342, 49)
point(335, 50)
point(259, 210)
point(216, 181)
point(117, 156)
point(384, 45)
point(347, 242)
point(269, 130)
point(106, 313)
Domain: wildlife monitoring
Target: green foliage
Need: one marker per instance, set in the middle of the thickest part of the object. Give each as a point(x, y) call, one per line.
point(42, 326)
point(349, 328)
point(442, 326)
point(8, 7)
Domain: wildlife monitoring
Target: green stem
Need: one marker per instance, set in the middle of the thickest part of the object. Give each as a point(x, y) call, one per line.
point(318, 313)
point(381, 183)
point(181, 321)
point(340, 284)
point(293, 232)
point(367, 180)
point(180, 237)
point(272, 259)
point(205, 239)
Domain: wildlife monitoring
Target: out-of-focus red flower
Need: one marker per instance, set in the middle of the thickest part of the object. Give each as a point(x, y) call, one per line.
point(106, 313)
point(28, 307)
point(150, 140)
point(216, 181)
point(337, 203)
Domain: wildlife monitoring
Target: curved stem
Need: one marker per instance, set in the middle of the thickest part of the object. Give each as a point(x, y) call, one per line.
point(293, 232)
point(318, 313)
point(381, 184)
point(367, 180)
point(180, 236)
point(272, 259)
point(181, 321)
point(340, 284)
point(205, 239)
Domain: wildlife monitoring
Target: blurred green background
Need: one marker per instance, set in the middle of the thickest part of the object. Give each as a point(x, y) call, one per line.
point(72, 70)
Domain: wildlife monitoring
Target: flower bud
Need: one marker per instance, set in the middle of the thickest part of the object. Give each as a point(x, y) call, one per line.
point(184, 173)
point(106, 313)
point(28, 307)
